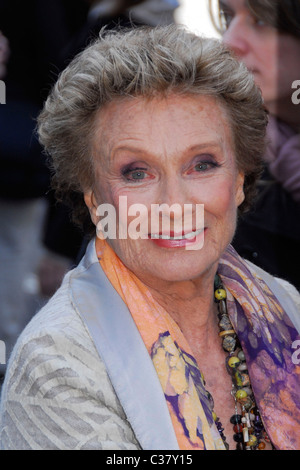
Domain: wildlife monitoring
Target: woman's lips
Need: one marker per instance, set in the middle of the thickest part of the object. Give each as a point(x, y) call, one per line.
point(172, 240)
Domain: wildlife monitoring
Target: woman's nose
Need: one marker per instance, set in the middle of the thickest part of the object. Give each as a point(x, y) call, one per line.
point(173, 191)
point(236, 38)
point(171, 199)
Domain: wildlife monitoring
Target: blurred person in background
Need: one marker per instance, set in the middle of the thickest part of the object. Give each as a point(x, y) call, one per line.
point(4, 54)
point(265, 35)
point(115, 14)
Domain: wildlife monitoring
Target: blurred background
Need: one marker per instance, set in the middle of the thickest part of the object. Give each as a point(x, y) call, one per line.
point(195, 15)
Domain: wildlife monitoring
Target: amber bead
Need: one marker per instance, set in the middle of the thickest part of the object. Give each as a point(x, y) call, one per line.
point(261, 445)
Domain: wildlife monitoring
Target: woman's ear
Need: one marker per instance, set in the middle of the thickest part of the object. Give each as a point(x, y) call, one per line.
point(91, 203)
point(239, 194)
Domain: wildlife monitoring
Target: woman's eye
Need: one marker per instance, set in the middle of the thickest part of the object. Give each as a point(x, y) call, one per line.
point(204, 166)
point(137, 174)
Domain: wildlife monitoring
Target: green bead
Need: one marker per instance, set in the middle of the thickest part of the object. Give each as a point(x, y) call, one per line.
point(220, 294)
point(238, 379)
point(233, 362)
point(252, 440)
point(240, 394)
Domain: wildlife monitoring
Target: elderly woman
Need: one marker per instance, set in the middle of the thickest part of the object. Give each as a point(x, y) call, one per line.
point(265, 35)
point(162, 338)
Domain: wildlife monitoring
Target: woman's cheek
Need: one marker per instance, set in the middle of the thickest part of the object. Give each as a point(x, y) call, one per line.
point(129, 204)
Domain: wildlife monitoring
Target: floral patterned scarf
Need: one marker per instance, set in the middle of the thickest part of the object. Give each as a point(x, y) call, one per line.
point(266, 335)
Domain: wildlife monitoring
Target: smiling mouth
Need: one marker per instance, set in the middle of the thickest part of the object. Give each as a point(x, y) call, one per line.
point(185, 236)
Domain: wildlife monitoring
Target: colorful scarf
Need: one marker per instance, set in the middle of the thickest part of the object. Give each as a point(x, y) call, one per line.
point(266, 335)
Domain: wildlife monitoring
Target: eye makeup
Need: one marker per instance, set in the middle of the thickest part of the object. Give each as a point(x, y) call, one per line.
point(134, 172)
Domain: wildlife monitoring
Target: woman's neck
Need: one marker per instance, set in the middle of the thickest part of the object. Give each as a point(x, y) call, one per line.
point(191, 305)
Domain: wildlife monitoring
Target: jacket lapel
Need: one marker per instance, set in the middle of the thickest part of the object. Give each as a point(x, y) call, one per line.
point(126, 358)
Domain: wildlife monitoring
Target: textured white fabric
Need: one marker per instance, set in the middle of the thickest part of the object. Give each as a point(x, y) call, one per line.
point(57, 394)
point(21, 225)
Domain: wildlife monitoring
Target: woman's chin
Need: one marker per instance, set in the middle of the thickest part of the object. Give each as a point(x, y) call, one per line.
point(176, 269)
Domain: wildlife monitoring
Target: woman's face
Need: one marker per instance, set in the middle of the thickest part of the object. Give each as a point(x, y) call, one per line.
point(273, 57)
point(174, 151)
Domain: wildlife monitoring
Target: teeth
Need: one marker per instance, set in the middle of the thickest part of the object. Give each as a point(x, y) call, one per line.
point(180, 237)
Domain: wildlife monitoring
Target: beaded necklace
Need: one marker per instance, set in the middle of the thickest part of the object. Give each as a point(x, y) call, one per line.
point(249, 432)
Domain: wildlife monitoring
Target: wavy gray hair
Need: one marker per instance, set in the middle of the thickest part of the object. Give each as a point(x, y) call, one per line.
point(145, 62)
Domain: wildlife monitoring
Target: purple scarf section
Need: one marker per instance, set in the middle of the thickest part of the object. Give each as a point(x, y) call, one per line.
point(267, 336)
point(283, 156)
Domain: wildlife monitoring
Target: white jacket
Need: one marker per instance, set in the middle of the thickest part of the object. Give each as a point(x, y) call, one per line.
point(80, 376)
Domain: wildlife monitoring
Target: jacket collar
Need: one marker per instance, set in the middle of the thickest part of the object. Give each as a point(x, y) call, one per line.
point(124, 354)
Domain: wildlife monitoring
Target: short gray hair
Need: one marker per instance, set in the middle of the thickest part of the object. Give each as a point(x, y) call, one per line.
point(145, 62)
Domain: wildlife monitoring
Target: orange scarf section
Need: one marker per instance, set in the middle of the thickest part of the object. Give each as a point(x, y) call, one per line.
point(170, 353)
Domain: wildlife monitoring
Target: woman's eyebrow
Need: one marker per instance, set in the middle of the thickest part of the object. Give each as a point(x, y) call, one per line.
point(217, 145)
